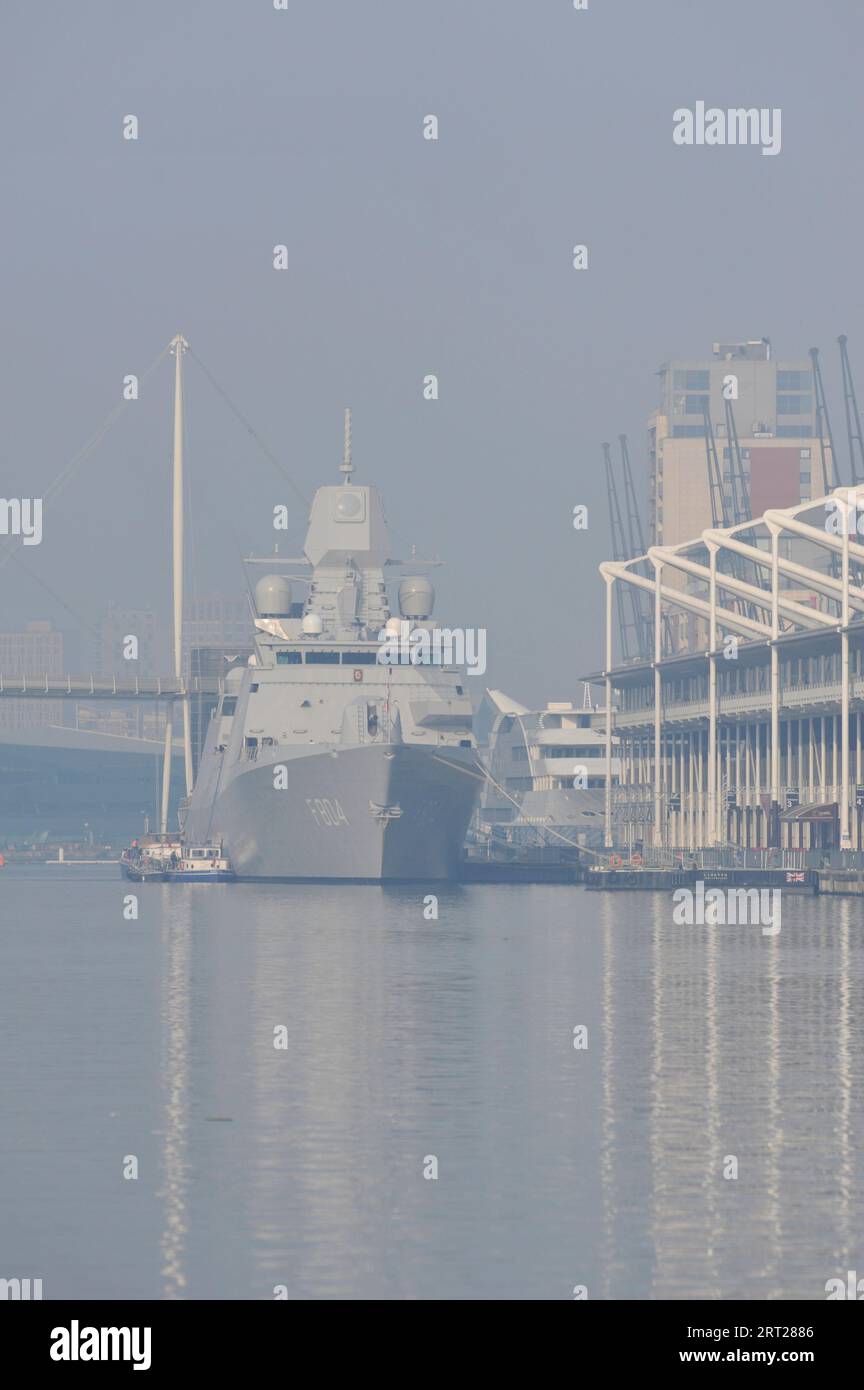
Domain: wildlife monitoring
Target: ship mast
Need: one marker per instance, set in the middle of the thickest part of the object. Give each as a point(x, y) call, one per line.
point(346, 467)
point(178, 347)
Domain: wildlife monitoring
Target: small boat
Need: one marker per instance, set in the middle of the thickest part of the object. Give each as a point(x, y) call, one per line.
point(201, 864)
point(147, 860)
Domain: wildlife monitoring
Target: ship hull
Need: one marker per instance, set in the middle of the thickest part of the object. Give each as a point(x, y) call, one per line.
point(382, 812)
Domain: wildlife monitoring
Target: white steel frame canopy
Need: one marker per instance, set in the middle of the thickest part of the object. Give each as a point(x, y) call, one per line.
point(780, 615)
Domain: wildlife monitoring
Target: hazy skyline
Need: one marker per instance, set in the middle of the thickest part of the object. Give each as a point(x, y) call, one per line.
point(406, 257)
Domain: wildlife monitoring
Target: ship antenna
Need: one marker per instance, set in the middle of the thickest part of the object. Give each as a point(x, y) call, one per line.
point(346, 467)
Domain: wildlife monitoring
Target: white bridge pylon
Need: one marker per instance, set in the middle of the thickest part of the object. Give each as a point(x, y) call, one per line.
point(764, 615)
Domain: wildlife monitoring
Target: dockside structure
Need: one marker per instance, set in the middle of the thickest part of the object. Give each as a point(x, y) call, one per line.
point(754, 737)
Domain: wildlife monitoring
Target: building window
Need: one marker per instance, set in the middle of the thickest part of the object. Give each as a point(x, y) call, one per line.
point(794, 405)
point(794, 381)
point(692, 380)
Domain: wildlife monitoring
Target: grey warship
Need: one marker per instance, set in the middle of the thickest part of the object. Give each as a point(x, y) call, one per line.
point(335, 753)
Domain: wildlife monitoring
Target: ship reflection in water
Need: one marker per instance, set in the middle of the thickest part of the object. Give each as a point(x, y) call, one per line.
point(284, 1061)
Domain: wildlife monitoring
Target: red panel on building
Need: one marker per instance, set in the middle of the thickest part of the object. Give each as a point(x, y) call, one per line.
point(774, 477)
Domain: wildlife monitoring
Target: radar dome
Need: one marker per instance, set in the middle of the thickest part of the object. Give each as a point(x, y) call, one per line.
point(349, 505)
point(312, 625)
point(416, 597)
point(273, 597)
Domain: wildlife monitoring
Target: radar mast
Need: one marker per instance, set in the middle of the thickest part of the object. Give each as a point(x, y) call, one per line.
point(346, 467)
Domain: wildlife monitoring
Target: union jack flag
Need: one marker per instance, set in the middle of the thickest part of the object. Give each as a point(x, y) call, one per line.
point(795, 877)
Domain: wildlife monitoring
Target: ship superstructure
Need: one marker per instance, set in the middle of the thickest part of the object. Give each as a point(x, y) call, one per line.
point(547, 772)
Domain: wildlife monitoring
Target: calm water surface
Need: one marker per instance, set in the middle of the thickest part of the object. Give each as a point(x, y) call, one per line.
point(303, 1166)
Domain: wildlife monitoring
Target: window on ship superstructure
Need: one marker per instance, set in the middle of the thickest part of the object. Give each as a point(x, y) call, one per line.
point(289, 658)
point(322, 658)
point(360, 658)
point(229, 705)
point(592, 750)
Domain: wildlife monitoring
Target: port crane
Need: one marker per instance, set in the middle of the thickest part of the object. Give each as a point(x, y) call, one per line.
point(634, 623)
point(636, 538)
point(853, 420)
point(732, 507)
point(830, 474)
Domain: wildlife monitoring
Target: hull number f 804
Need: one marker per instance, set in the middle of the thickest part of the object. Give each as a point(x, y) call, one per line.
point(326, 812)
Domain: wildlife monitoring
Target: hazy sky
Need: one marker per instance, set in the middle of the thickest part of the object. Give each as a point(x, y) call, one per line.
point(406, 257)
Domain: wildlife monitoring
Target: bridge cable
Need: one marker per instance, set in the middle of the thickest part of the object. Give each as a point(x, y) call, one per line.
point(250, 429)
point(87, 448)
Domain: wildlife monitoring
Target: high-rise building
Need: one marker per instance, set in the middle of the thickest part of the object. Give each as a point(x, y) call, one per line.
point(124, 644)
point(111, 649)
point(216, 622)
point(774, 413)
point(37, 651)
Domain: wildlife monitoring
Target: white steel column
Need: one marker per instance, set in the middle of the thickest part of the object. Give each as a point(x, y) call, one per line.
point(739, 813)
point(775, 684)
point(757, 730)
point(700, 800)
point(682, 827)
point(658, 703)
point(692, 792)
point(775, 692)
point(748, 785)
point(178, 346)
point(857, 779)
point(607, 838)
point(711, 837)
point(845, 838)
point(166, 770)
